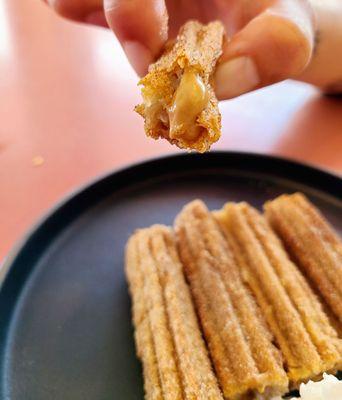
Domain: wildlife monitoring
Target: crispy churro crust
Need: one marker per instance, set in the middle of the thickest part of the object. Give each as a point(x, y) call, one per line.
point(245, 359)
point(308, 342)
point(196, 49)
point(168, 338)
point(312, 243)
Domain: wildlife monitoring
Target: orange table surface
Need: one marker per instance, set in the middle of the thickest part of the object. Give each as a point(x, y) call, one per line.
point(66, 109)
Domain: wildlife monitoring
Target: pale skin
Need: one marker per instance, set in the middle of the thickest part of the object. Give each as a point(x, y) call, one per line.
point(269, 40)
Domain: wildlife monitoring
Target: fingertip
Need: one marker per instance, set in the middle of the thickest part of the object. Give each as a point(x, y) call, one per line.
point(138, 21)
point(67, 9)
point(88, 11)
point(139, 56)
point(96, 18)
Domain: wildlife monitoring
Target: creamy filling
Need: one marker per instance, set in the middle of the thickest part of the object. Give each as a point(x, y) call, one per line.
point(190, 99)
point(330, 388)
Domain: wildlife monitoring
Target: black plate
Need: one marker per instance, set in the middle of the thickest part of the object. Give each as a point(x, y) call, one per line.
point(65, 327)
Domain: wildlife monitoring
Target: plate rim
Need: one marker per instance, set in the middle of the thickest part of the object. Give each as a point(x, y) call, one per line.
point(65, 199)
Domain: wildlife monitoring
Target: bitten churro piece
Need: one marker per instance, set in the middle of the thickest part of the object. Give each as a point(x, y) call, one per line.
point(179, 103)
point(308, 342)
point(247, 363)
point(168, 338)
point(312, 243)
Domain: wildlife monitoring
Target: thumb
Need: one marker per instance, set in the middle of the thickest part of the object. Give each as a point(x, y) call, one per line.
point(275, 45)
point(141, 27)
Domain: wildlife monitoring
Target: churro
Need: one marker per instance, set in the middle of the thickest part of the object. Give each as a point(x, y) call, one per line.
point(246, 361)
point(308, 342)
point(179, 103)
point(312, 242)
point(175, 362)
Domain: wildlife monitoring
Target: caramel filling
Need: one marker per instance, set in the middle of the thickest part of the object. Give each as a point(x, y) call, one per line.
point(189, 101)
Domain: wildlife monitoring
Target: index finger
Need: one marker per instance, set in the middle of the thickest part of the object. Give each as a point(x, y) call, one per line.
point(141, 27)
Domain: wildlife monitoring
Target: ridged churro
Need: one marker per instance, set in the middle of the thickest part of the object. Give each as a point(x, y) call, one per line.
point(308, 342)
point(246, 361)
point(175, 362)
point(312, 242)
point(179, 103)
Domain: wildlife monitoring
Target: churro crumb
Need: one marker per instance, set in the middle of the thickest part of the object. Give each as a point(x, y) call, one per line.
point(37, 161)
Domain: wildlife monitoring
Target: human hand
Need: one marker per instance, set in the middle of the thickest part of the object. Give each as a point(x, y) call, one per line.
point(270, 40)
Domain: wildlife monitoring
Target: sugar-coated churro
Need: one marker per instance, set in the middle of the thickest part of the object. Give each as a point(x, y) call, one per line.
point(308, 342)
point(313, 244)
point(175, 362)
point(246, 361)
point(179, 103)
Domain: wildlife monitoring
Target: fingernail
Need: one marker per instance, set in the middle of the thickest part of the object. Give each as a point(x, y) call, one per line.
point(236, 77)
point(138, 55)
